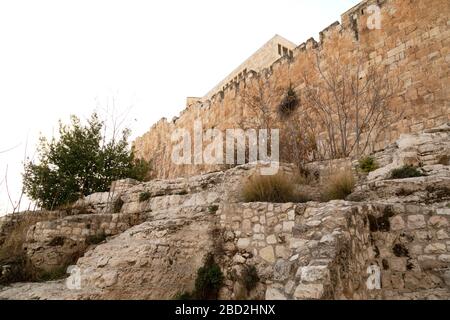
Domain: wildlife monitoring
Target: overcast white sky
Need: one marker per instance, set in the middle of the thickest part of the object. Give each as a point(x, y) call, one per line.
point(68, 57)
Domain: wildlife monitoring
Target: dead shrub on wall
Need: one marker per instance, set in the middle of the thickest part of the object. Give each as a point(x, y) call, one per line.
point(348, 100)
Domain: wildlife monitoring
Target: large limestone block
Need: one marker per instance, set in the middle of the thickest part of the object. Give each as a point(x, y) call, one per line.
point(309, 292)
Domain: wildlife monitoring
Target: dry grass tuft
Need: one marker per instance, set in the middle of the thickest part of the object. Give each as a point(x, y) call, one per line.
point(339, 186)
point(277, 188)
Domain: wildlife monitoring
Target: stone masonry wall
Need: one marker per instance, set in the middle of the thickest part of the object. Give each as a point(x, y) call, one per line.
point(327, 251)
point(389, 240)
point(413, 42)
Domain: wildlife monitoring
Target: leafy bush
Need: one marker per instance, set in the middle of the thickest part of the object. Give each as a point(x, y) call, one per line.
point(339, 185)
point(405, 172)
point(367, 164)
point(289, 103)
point(78, 163)
point(209, 280)
point(250, 277)
point(144, 196)
point(275, 188)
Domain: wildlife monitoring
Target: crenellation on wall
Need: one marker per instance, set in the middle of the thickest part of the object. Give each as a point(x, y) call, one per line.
point(413, 43)
point(334, 27)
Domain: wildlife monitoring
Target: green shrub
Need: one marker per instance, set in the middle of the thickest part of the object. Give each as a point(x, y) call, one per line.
point(405, 172)
point(276, 188)
point(339, 186)
point(209, 280)
point(250, 277)
point(144, 196)
point(368, 164)
point(78, 162)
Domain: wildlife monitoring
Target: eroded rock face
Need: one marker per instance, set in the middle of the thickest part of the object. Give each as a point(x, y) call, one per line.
point(394, 244)
point(155, 260)
point(429, 150)
point(53, 244)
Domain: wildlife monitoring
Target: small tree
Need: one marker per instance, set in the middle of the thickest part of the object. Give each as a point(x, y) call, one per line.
point(350, 100)
point(78, 163)
point(259, 98)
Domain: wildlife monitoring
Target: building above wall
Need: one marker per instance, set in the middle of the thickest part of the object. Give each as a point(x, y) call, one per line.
point(264, 57)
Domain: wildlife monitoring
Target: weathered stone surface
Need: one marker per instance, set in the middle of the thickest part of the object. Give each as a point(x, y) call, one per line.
point(267, 254)
point(326, 243)
point(416, 222)
point(272, 239)
point(282, 270)
point(309, 292)
point(438, 222)
point(313, 273)
point(243, 243)
point(436, 248)
point(274, 294)
point(397, 223)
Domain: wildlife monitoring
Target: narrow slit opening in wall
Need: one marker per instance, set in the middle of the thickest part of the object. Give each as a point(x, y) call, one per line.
point(279, 49)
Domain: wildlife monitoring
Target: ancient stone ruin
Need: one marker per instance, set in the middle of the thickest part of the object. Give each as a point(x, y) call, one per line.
point(412, 44)
point(389, 238)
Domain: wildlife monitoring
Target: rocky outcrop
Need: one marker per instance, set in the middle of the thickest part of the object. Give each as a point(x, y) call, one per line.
point(52, 244)
point(390, 242)
point(430, 151)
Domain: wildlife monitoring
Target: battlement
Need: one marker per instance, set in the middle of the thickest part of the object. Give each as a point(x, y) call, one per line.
point(413, 43)
point(264, 57)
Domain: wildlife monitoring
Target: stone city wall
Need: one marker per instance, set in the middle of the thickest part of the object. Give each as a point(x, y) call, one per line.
point(413, 42)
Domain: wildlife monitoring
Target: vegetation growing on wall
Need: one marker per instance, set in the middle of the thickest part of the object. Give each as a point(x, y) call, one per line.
point(207, 284)
point(367, 164)
point(144, 196)
point(405, 172)
point(339, 185)
point(289, 103)
point(250, 277)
